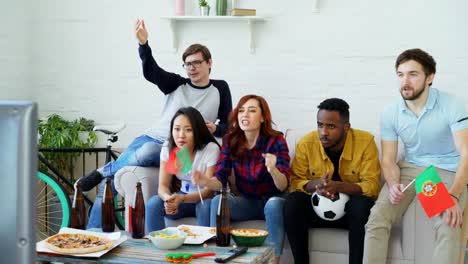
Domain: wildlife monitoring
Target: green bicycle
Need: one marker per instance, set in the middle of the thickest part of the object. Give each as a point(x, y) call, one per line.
point(53, 204)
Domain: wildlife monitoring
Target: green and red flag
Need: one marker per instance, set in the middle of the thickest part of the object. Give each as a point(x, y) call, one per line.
point(185, 162)
point(179, 161)
point(432, 193)
point(171, 165)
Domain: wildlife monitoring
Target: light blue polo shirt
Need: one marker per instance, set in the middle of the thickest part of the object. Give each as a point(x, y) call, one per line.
point(428, 139)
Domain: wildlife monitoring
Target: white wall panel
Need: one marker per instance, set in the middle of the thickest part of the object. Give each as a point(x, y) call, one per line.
point(84, 60)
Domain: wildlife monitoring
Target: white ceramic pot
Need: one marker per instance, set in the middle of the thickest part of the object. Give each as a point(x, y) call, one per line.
point(204, 10)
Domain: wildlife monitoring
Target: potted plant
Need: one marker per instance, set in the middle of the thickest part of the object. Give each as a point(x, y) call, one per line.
point(204, 8)
point(56, 132)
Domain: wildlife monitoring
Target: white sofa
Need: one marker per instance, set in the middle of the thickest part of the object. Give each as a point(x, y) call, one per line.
point(125, 181)
point(412, 240)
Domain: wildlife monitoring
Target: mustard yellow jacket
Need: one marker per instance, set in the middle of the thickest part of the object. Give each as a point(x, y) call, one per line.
point(359, 162)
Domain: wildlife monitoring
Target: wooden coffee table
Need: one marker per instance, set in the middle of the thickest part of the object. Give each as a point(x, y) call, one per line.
point(139, 251)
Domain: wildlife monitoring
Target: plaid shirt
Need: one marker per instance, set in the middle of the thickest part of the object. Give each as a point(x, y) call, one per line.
point(252, 177)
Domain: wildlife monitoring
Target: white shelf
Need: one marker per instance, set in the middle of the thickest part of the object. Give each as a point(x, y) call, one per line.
point(248, 20)
point(214, 18)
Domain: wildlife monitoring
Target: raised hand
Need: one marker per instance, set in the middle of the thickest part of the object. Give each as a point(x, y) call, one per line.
point(270, 161)
point(141, 32)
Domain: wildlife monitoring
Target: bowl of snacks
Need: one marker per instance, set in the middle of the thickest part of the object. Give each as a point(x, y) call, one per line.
point(168, 238)
point(249, 237)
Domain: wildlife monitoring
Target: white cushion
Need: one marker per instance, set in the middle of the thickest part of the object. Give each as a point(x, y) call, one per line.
point(125, 181)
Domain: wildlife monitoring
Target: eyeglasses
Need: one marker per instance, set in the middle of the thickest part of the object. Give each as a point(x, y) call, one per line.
point(195, 64)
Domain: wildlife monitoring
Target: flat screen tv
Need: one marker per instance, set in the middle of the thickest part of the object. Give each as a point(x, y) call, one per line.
point(18, 170)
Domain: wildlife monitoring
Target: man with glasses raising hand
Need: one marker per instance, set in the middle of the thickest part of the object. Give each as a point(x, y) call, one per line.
point(211, 97)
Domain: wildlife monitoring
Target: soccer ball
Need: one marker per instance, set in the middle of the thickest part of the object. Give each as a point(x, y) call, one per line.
point(327, 209)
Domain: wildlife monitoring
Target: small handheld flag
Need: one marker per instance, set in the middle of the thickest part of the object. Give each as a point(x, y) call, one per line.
point(183, 156)
point(407, 186)
point(171, 165)
point(432, 193)
point(180, 162)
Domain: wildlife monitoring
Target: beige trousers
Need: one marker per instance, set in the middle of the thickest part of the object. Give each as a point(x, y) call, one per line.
point(384, 214)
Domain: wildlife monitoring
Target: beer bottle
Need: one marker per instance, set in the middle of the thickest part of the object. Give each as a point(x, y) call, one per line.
point(223, 221)
point(138, 213)
point(78, 211)
point(108, 213)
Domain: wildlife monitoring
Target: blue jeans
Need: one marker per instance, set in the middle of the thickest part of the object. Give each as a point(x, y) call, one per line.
point(243, 209)
point(155, 213)
point(143, 151)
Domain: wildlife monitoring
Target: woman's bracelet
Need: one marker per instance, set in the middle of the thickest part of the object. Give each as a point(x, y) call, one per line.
point(458, 199)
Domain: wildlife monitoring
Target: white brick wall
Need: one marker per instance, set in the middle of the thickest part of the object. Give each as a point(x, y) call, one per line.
point(82, 56)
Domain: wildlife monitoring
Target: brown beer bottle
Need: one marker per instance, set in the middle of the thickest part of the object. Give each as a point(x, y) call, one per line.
point(138, 213)
point(78, 211)
point(223, 221)
point(108, 213)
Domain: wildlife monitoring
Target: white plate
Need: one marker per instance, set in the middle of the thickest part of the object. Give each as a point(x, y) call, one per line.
point(116, 237)
point(197, 234)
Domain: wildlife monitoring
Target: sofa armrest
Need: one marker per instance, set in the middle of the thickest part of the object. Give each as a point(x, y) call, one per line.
point(125, 181)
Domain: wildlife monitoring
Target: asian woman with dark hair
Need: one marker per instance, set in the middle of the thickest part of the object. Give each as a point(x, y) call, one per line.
point(188, 130)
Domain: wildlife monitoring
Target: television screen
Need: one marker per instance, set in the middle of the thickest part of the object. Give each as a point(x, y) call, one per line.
point(18, 170)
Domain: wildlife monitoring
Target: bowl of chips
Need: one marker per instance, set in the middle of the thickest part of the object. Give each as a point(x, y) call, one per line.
point(168, 238)
point(249, 237)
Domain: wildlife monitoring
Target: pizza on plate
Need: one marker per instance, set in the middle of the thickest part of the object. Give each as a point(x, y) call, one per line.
point(77, 243)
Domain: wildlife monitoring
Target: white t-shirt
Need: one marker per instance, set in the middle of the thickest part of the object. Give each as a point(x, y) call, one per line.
point(204, 158)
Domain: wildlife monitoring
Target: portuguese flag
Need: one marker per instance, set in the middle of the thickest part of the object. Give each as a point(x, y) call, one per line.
point(432, 193)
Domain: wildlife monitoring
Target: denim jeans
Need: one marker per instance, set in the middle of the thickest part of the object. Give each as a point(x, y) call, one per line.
point(143, 151)
point(155, 213)
point(270, 210)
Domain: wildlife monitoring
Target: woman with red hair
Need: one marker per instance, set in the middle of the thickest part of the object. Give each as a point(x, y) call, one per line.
point(254, 161)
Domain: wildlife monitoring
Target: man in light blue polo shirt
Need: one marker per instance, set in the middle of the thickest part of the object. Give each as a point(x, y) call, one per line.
point(433, 127)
